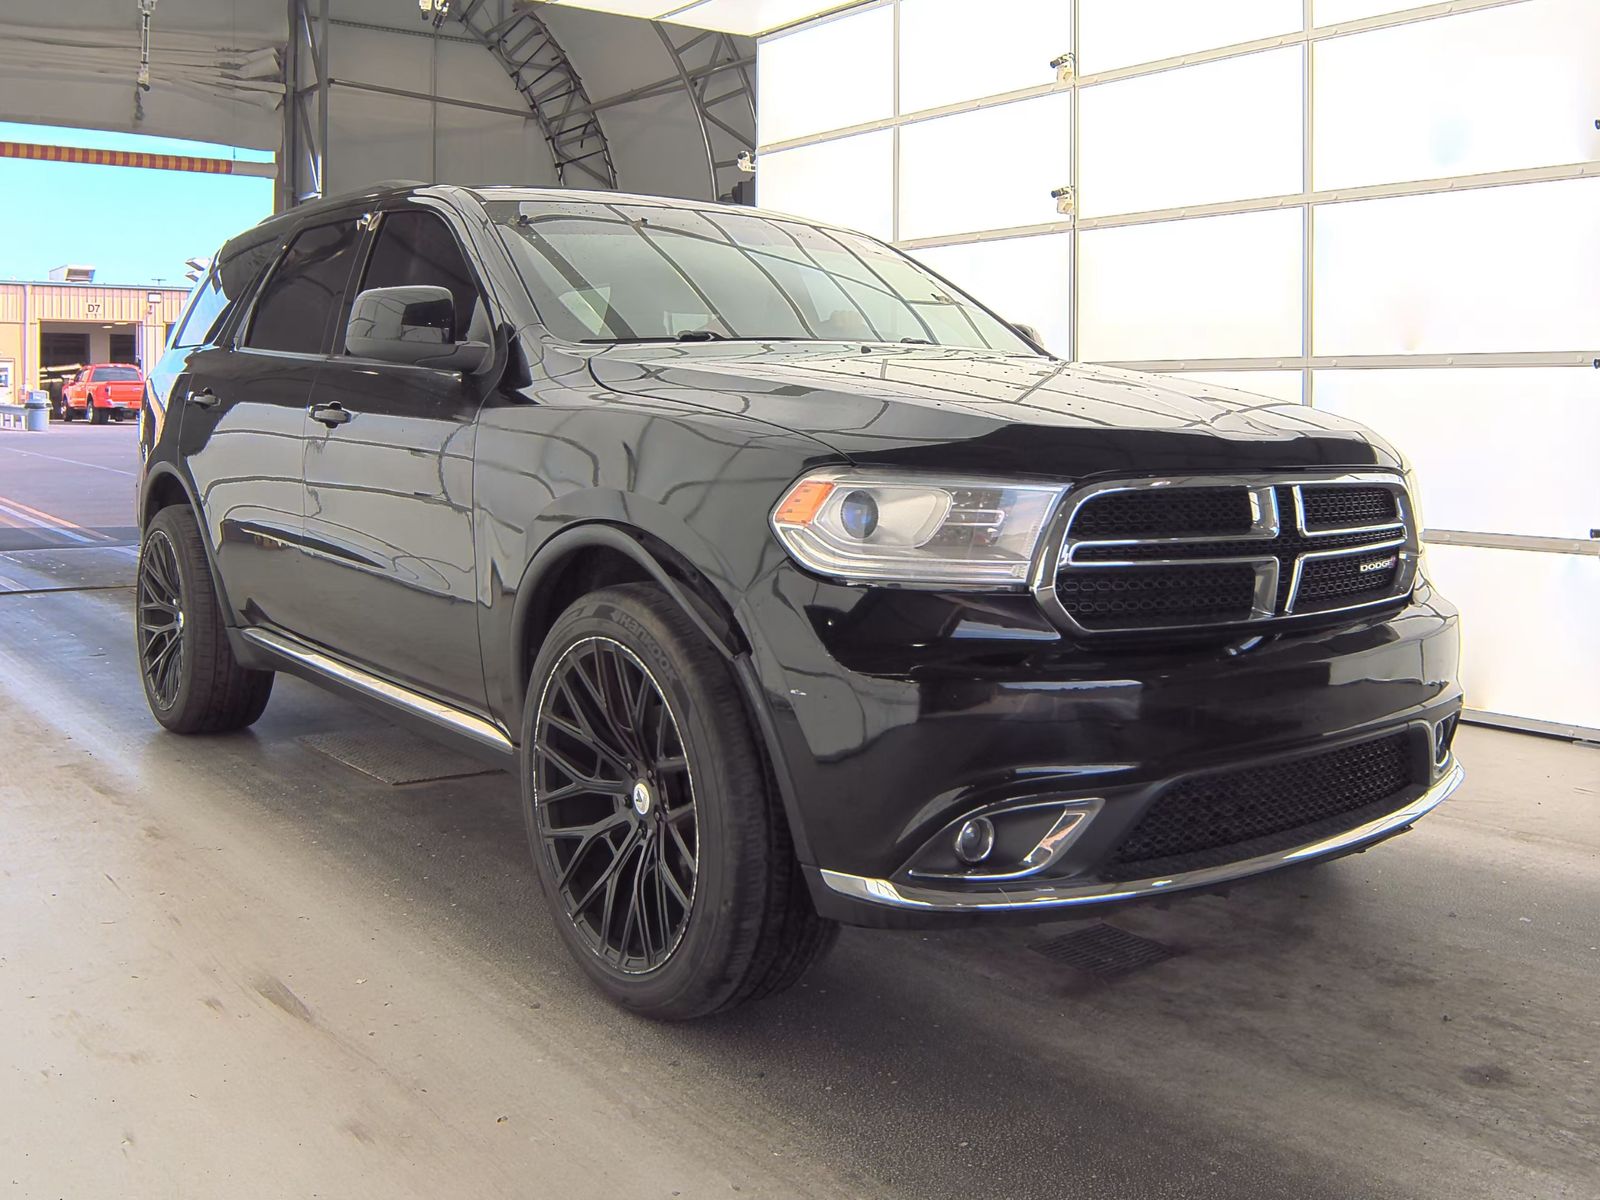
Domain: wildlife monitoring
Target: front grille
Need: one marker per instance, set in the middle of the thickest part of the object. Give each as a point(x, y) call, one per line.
point(1335, 582)
point(1111, 597)
point(1233, 815)
point(1152, 556)
point(1167, 512)
point(1334, 507)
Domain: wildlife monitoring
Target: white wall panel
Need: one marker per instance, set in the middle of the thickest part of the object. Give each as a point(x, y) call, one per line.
point(1278, 385)
point(1512, 664)
point(1496, 450)
point(1026, 279)
point(989, 169)
point(1222, 131)
point(946, 56)
point(826, 76)
point(1496, 269)
point(1118, 33)
point(1484, 91)
point(1212, 287)
point(847, 182)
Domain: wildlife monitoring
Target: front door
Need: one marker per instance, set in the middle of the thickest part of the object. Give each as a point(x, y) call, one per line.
point(388, 486)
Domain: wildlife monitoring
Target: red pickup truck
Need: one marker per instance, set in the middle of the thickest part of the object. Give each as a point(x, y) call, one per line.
point(103, 392)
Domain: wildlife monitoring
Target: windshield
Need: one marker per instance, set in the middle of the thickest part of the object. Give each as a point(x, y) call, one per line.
point(116, 375)
point(621, 272)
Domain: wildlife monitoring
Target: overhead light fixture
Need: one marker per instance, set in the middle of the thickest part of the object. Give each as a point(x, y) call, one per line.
point(434, 10)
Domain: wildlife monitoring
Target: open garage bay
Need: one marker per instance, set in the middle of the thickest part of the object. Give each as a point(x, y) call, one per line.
point(312, 959)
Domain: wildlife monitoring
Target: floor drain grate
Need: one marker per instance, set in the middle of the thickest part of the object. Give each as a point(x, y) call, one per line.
point(1103, 950)
point(394, 755)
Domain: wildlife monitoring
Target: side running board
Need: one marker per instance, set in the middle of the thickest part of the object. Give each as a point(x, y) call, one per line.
point(435, 712)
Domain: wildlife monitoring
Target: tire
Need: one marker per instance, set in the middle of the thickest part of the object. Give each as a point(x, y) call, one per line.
point(59, 410)
point(192, 682)
point(97, 416)
point(748, 928)
point(66, 411)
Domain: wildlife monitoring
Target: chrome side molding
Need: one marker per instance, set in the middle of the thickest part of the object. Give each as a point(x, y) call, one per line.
point(433, 711)
point(898, 895)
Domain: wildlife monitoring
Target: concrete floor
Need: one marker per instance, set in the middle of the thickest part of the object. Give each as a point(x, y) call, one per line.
point(233, 967)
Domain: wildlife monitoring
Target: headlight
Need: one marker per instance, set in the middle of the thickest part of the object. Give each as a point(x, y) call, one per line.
point(882, 527)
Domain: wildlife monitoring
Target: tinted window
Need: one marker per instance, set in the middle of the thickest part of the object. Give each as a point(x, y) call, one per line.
point(302, 294)
point(116, 375)
point(417, 248)
point(206, 307)
point(615, 271)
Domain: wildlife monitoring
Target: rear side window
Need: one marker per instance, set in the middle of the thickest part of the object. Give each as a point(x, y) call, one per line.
point(206, 307)
point(300, 297)
point(417, 248)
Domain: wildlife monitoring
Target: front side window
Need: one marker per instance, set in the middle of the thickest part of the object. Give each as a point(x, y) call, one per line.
point(416, 248)
point(301, 296)
point(620, 272)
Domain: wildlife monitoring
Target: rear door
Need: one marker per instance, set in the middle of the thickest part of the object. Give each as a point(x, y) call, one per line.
point(388, 475)
point(244, 422)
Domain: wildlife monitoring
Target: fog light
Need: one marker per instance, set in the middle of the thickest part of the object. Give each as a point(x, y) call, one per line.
point(975, 840)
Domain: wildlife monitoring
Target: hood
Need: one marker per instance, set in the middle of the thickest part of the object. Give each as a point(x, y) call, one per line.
point(986, 413)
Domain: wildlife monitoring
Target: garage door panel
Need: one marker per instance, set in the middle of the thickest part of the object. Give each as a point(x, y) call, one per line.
point(1496, 449)
point(1026, 279)
point(1529, 637)
point(1009, 49)
point(806, 182)
point(1486, 91)
point(1493, 269)
point(1217, 287)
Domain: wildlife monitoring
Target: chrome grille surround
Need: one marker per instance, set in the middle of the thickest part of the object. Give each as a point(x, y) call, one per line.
point(1274, 524)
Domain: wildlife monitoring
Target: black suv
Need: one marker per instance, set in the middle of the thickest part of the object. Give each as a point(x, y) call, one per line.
point(797, 586)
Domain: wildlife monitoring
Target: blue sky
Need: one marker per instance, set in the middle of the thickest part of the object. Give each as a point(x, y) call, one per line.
point(133, 226)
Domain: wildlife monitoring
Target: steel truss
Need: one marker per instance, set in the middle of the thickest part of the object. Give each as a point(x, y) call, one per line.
point(714, 72)
point(541, 71)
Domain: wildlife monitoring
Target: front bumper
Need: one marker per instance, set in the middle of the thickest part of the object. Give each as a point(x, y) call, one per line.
point(1046, 899)
point(888, 716)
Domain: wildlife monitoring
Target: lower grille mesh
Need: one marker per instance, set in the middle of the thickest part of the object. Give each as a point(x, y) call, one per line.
point(1233, 815)
point(1341, 580)
point(1153, 596)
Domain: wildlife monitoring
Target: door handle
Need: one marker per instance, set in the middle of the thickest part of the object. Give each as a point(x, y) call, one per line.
point(330, 414)
point(204, 398)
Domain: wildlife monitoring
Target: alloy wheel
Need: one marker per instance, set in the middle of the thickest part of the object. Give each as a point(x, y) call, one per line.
point(160, 618)
point(615, 806)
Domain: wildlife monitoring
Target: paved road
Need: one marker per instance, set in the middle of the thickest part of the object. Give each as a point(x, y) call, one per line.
point(233, 966)
point(71, 486)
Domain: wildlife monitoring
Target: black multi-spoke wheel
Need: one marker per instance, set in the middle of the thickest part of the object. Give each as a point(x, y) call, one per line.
point(191, 678)
point(614, 803)
point(660, 844)
point(160, 619)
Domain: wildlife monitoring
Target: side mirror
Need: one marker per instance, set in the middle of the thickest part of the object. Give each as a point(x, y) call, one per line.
point(411, 325)
point(1027, 331)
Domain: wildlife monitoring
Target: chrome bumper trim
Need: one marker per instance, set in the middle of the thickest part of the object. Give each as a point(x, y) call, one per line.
point(898, 895)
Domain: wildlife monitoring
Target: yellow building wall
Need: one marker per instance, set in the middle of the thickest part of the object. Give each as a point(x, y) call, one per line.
point(24, 305)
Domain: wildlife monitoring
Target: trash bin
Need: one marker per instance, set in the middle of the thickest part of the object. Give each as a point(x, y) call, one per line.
point(38, 416)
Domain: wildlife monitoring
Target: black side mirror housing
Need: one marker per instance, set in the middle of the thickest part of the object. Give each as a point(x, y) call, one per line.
point(411, 325)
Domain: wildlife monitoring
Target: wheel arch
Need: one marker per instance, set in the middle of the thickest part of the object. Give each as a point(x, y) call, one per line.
point(165, 487)
point(595, 554)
